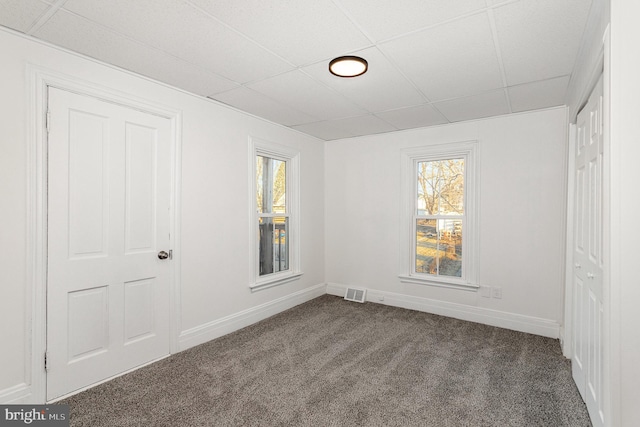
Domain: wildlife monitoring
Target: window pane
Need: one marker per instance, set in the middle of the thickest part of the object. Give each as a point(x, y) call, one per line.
point(441, 187)
point(426, 246)
point(271, 182)
point(260, 194)
point(450, 247)
point(273, 244)
point(451, 186)
point(428, 195)
point(439, 247)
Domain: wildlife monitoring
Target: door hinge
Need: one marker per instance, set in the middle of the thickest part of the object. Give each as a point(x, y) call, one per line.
point(46, 364)
point(48, 120)
point(170, 253)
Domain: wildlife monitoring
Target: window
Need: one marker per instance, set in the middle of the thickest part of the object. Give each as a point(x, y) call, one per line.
point(439, 218)
point(274, 222)
point(273, 216)
point(439, 244)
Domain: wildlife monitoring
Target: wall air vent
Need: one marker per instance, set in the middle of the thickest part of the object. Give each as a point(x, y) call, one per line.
point(356, 295)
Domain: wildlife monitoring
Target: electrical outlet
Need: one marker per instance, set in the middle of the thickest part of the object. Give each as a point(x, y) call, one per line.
point(496, 292)
point(485, 291)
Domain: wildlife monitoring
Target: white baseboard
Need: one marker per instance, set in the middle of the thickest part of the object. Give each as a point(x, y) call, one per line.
point(338, 290)
point(217, 328)
point(20, 393)
point(501, 319)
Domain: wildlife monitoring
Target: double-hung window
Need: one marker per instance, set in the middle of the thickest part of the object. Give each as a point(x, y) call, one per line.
point(439, 243)
point(274, 223)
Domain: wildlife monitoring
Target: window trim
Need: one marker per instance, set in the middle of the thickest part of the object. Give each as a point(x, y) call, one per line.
point(410, 158)
point(259, 147)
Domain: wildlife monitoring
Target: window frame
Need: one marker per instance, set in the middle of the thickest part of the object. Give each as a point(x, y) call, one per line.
point(467, 150)
point(291, 157)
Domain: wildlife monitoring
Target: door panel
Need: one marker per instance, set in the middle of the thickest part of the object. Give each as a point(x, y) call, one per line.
point(139, 300)
point(579, 347)
point(594, 210)
point(594, 386)
point(580, 211)
point(141, 147)
point(108, 217)
point(88, 314)
point(88, 184)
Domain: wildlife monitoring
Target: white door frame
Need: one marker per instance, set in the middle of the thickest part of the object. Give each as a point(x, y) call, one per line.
point(610, 334)
point(39, 80)
point(567, 327)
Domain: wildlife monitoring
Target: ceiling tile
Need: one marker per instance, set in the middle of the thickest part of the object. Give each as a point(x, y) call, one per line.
point(540, 39)
point(75, 33)
point(536, 95)
point(380, 88)
point(346, 128)
point(363, 125)
point(302, 31)
point(452, 60)
point(382, 19)
point(255, 103)
point(301, 92)
point(182, 30)
point(474, 107)
point(21, 14)
point(413, 117)
point(324, 130)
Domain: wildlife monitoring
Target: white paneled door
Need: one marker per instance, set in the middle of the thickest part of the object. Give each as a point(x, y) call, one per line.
point(587, 362)
point(108, 290)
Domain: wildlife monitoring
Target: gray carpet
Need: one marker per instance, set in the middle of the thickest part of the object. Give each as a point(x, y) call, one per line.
point(330, 362)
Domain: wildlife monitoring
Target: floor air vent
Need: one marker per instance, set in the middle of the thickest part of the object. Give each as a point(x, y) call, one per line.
point(356, 295)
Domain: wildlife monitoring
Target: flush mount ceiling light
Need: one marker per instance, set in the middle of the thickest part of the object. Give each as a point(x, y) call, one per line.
point(348, 66)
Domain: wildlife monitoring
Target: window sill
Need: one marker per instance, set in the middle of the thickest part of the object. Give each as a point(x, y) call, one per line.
point(404, 278)
point(274, 281)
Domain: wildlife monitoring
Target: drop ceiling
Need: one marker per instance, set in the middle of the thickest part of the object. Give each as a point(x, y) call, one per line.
point(430, 61)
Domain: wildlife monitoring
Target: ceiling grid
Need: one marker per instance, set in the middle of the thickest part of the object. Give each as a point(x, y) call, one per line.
point(431, 62)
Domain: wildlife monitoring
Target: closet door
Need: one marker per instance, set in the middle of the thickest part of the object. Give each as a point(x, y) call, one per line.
point(587, 363)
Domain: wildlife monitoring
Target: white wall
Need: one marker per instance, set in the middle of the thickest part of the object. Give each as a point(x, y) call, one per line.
point(522, 208)
point(215, 206)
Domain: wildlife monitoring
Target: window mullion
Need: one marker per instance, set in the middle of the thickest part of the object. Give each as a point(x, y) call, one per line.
point(272, 215)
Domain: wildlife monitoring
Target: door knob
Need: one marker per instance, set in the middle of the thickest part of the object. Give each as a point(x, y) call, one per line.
point(163, 255)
